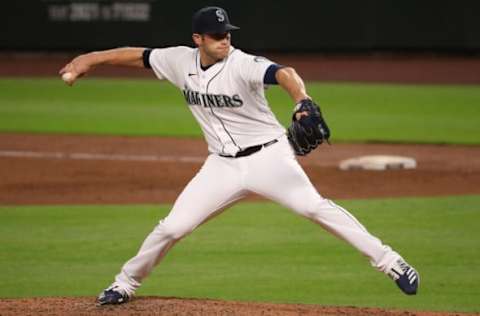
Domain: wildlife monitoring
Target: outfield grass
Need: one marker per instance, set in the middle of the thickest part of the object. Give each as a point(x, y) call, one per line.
point(254, 252)
point(355, 112)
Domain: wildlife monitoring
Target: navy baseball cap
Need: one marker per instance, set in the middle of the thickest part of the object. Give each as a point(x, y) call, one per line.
point(212, 20)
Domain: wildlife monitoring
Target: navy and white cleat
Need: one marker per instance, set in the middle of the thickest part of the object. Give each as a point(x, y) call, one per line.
point(112, 296)
point(406, 277)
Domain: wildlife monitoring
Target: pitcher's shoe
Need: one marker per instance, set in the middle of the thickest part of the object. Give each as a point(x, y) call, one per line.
point(113, 295)
point(406, 277)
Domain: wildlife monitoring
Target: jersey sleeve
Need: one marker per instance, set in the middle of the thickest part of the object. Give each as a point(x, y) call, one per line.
point(167, 63)
point(270, 74)
point(253, 69)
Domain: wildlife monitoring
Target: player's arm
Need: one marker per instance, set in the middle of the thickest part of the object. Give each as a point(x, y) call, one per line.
point(308, 128)
point(82, 64)
point(291, 82)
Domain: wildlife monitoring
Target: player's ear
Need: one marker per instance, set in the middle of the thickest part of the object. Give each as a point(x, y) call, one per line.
point(197, 39)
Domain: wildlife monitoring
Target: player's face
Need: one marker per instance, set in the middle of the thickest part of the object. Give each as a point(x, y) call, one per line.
point(214, 46)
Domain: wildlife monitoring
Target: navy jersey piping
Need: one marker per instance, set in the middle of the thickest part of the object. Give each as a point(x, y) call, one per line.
point(270, 74)
point(196, 68)
point(146, 58)
point(211, 108)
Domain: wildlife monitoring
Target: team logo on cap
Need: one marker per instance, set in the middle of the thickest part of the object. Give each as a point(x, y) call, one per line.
point(220, 16)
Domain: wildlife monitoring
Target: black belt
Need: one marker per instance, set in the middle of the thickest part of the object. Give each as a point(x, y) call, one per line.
point(250, 150)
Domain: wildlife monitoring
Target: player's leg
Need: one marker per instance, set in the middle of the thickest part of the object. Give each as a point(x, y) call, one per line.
point(216, 185)
point(276, 174)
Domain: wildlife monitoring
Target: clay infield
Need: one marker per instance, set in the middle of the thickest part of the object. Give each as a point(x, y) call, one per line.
point(61, 169)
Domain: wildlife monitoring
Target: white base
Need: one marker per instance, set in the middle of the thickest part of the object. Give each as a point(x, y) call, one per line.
point(378, 162)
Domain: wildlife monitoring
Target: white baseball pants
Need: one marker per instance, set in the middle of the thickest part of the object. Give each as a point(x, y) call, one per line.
point(274, 173)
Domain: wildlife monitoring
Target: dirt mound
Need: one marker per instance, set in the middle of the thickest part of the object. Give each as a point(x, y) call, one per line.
point(190, 307)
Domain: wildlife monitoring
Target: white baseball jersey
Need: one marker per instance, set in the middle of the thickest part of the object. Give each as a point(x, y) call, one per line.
point(229, 103)
point(227, 99)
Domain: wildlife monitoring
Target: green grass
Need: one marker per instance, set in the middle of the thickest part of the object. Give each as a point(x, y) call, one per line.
point(355, 112)
point(254, 252)
point(127, 107)
point(401, 113)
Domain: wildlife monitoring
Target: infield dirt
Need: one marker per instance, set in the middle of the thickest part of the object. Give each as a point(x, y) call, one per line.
point(60, 169)
point(189, 307)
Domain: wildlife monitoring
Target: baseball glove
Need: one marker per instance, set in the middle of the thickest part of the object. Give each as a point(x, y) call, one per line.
point(310, 130)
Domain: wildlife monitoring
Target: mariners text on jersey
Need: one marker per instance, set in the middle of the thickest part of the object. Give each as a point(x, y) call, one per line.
point(212, 100)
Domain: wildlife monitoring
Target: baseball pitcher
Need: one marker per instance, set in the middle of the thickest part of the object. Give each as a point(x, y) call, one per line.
point(249, 150)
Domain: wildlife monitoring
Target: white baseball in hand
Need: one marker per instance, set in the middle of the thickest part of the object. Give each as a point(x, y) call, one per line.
point(67, 77)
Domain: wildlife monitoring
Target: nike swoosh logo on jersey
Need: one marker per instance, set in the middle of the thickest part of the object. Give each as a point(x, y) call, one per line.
point(191, 75)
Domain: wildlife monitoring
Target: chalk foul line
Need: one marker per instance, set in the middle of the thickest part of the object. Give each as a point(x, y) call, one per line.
point(91, 156)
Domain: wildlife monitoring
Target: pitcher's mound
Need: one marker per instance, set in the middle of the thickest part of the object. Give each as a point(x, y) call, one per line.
point(165, 306)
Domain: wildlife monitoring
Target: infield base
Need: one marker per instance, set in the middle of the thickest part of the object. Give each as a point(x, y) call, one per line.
point(378, 162)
